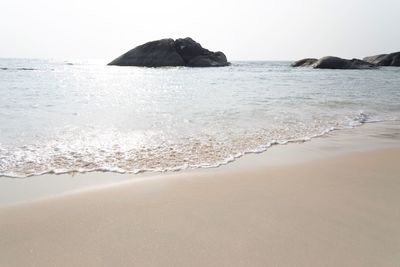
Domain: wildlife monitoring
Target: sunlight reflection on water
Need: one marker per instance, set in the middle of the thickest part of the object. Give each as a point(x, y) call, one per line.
point(87, 116)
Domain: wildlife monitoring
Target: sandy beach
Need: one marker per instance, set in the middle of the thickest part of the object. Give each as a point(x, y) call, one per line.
point(320, 204)
point(186, 134)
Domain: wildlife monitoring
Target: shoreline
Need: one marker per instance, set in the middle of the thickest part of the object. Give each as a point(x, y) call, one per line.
point(320, 203)
point(199, 167)
point(21, 190)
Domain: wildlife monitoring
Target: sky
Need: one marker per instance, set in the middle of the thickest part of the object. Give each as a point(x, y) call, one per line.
point(243, 30)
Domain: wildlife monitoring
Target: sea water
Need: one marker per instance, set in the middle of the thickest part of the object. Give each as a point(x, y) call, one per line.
point(80, 116)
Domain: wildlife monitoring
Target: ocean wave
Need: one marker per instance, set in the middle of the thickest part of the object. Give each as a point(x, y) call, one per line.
point(211, 152)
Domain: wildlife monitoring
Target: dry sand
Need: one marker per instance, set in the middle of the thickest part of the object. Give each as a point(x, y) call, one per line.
point(337, 210)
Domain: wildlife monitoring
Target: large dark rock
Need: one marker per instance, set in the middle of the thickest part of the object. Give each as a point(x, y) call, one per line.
point(392, 59)
point(304, 62)
point(196, 56)
point(340, 63)
point(152, 54)
point(217, 59)
point(375, 59)
point(190, 49)
point(167, 52)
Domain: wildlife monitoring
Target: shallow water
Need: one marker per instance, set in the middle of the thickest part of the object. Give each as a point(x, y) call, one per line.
point(84, 116)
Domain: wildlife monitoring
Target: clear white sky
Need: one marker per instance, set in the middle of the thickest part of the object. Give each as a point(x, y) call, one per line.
point(252, 29)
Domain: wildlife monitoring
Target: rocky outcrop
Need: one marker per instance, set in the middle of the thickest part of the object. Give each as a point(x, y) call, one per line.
point(333, 63)
point(340, 63)
point(217, 59)
point(372, 62)
point(392, 59)
point(304, 62)
point(152, 54)
point(167, 52)
point(195, 55)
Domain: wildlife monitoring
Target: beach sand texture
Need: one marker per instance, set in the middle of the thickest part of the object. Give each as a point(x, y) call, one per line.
point(341, 210)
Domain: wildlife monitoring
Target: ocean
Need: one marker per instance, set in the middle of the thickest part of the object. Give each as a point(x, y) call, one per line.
point(81, 115)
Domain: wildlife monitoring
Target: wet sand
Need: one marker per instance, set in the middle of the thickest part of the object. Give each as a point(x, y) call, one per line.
point(320, 203)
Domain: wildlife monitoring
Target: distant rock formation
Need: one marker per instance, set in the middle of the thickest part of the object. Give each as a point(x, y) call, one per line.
point(392, 59)
point(340, 63)
point(333, 63)
point(304, 62)
point(167, 52)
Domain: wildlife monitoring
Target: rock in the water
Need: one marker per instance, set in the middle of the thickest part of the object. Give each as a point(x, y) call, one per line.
point(392, 59)
point(217, 59)
point(196, 56)
point(190, 49)
point(159, 53)
point(304, 62)
point(340, 63)
point(375, 59)
point(167, 52)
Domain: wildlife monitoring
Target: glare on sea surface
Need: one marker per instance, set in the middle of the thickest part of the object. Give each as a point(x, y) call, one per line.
point(88, 116)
